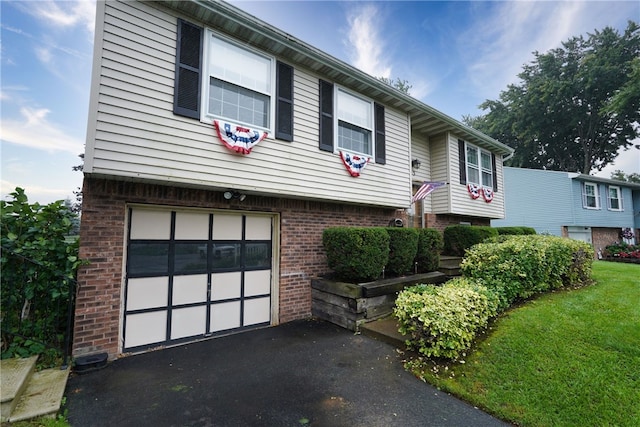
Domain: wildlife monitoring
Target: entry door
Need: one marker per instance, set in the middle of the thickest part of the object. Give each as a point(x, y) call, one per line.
point(193, 274)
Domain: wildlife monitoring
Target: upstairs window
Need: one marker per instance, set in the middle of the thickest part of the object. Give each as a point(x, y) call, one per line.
point(238, 84)
point(615, 200)
point(355, 123)
point(479, 166)
point(590, 197)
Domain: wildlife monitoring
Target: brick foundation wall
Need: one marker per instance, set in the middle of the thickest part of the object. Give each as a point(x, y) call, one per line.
point(440, 222)
point(103, 235)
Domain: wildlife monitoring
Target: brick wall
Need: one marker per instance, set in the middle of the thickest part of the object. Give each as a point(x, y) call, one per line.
point(440, 222)
point(102, 237)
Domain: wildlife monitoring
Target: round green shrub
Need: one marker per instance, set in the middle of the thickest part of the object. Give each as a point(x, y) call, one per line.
point(459, 238)
point(403, 246)
point(430, 244)
point(356, 254)
point(443, 321)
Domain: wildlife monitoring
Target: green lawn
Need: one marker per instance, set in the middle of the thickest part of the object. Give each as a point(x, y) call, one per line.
point(567, 358)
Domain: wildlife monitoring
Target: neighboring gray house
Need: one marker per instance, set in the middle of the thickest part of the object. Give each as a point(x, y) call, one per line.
point(574, 205)
point(218, 150)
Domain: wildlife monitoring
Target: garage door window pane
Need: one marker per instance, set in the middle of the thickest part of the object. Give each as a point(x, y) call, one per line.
point(226, 255)
point(258, 255)
point(190, 257)
point(148, 258)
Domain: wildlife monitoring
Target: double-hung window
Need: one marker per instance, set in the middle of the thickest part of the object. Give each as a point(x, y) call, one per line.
point(238, 83)
point(355, 123)
point(590, 197)
point(615, 201)
point(479, 166)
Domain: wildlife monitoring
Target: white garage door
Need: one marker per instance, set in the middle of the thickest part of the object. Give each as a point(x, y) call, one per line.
point(193, 274)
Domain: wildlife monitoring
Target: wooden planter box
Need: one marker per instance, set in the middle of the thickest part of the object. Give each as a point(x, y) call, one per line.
point(351, 304)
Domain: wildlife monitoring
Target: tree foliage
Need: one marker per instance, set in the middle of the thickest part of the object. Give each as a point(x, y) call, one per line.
point(574, 107)
point(400, 84)
point(619, 175)
point(38, 265)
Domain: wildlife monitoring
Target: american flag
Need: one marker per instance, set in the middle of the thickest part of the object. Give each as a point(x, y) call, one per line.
point(425, 189)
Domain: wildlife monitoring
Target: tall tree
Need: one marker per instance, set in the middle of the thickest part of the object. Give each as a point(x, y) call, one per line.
point(575, 105)
point(401, 85)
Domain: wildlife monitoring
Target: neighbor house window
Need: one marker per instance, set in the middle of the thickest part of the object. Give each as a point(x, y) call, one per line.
point(479, 166)
point(355, 123)
point(615, 201)
point(238, 83)
point(590, 197)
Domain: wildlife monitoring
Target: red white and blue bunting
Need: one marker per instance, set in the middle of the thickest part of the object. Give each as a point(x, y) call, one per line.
point(238, 138)
point(354, 163)
point(475, 191)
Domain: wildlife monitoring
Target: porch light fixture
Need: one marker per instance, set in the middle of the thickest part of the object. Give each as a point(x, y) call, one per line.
point(232, 194)
point(415, 165)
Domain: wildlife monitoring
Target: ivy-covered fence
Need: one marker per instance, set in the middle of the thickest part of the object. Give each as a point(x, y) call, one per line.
point(39, 263)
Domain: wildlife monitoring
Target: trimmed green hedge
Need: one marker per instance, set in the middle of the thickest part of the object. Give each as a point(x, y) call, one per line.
point(403, 246)
point(443, 321)
point(459, 238)
point(430, 244)
point(356, 253)
point(515, 231)
point(521, 266)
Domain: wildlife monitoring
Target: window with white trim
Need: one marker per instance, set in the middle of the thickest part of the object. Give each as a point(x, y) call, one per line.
point(614, 198)
point(479, 166)
point(590, 199)
point(354, 123)
point(238, 83)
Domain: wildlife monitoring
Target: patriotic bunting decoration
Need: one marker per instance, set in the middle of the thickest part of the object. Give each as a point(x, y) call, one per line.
point(474, 191)
point(425, 189)
point(354, 163)
point(487, 194)
point(238, 138)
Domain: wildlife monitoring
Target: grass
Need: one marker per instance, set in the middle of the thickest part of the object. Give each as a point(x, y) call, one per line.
point(567, 358)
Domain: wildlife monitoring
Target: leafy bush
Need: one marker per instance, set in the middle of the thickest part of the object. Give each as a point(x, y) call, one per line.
point(521, 266)
point(444, 321)
point(403, 247)
point(459, 238)
point(430, 244)
point(356, 253)
point(38, 264)
point(515, 231)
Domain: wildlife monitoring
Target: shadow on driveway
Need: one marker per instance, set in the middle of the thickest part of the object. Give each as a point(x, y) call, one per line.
point(303, 373)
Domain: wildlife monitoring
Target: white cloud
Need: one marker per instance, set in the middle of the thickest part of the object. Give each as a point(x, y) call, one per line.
point(504, 35)
point(65, 14)
point(366, 42)
point(36, 131)
point(35, 193)
point(627, 161)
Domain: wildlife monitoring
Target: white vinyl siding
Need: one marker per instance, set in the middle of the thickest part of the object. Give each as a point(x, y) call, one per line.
point(461, 203)
point(135, 134)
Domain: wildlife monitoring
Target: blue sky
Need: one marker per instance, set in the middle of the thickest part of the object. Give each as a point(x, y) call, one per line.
point(455, 54)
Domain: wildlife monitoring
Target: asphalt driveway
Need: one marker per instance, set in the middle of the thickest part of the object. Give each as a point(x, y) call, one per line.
point(303, 373)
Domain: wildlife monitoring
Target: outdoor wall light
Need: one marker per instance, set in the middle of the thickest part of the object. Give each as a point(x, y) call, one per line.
point(415, 165)
point(234, 195)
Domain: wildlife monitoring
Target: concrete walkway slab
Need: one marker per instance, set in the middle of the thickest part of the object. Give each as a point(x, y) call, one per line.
point(303, 373)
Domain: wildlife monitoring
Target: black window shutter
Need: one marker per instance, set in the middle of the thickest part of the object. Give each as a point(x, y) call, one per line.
point(380, 135)
point(494, 173)
point(326, 116)
point(186, 95)
point(284, 101)
point(462, 162)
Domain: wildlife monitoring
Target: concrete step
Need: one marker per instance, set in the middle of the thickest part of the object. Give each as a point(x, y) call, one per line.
point(14, 375)
point(43, 395)
point(385, 330)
